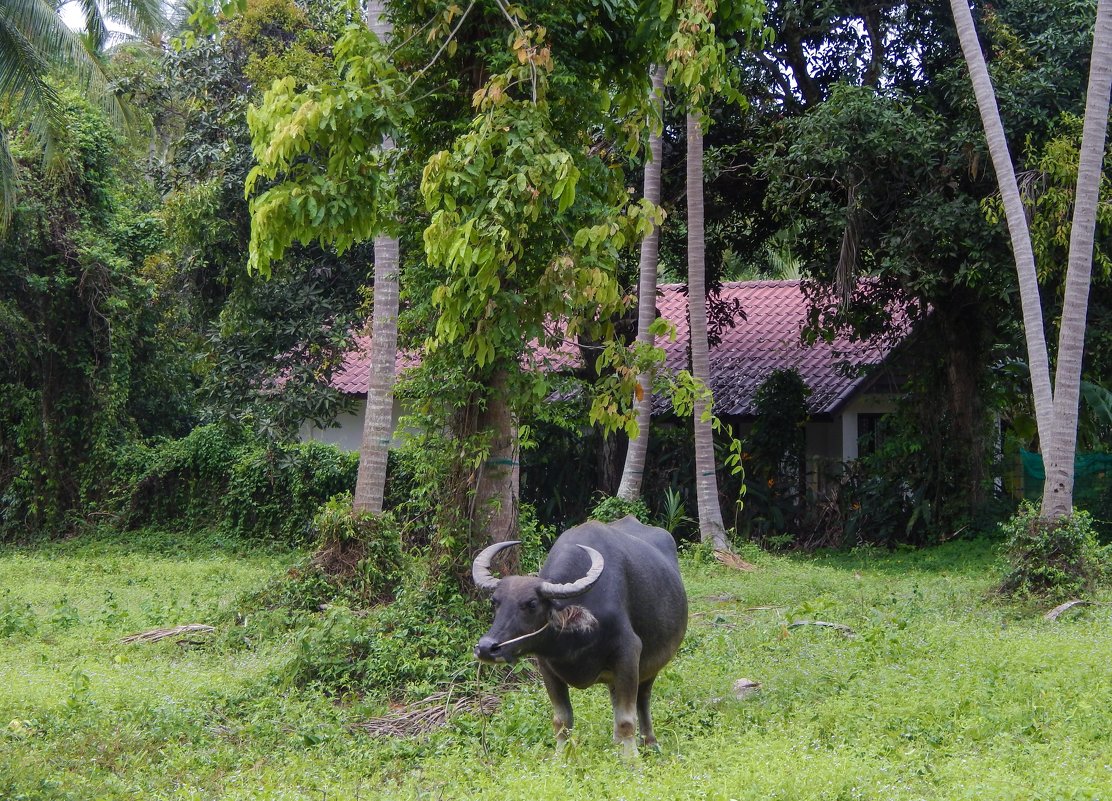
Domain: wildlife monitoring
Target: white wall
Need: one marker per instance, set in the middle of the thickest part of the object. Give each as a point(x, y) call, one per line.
point(862, 404)
point(348, 433)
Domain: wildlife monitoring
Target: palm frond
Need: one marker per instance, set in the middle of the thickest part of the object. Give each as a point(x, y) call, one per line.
point(145, 17)
point(47, 44)
point(95, 31)
point(23, 66)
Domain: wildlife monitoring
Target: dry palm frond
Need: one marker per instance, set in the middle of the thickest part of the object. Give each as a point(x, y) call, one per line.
point(842, 627)
point(1053, 613)
point(154, 635)
point(428, 714)
point(733, 560)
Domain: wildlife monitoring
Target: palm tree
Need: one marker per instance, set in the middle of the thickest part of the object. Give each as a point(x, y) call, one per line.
point(711, 528)
point(632, 473)
point(1055, 406)
point(1058, 488)
point(370, 482)
point(36, 43)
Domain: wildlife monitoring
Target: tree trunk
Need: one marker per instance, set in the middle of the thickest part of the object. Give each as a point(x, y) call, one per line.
point(370, 481)
point(966, 468)
point(1059, 462)
point(711, 528)
point(497, 494)
point(632, 474)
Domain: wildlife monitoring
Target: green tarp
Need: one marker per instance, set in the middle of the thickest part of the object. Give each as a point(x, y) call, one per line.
point(1092, 487)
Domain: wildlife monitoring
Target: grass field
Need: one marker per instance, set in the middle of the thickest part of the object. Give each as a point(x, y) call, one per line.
point(940, 692)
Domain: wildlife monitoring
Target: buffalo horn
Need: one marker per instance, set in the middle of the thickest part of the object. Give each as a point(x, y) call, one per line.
point(558, 591)
point(480, 568)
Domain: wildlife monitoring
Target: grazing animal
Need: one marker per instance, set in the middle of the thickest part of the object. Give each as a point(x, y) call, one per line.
point(607, 606)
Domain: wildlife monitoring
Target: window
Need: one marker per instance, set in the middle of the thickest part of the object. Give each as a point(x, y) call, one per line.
point(870, 433)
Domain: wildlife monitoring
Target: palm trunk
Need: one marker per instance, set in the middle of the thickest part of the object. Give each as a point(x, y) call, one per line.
point(1015, 214)
point(370, 481)
point(632, 474)
point(1058, 489)
point(711, 528)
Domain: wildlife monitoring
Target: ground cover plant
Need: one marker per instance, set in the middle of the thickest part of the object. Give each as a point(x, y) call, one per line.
point(938, 689)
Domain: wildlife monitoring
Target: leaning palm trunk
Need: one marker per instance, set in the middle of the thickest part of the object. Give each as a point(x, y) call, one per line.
point(1055, 408)
point(633, 472)
point(1014, 212)
point(1058, 488)
point(711, 528)
point(370, 481)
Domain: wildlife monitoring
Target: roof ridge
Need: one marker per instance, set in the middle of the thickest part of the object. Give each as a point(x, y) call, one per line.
point(759, 282)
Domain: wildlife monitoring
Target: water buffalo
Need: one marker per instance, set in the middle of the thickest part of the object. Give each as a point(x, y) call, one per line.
point(608, 606)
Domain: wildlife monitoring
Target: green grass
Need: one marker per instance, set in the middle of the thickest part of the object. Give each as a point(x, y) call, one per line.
point(942, 692)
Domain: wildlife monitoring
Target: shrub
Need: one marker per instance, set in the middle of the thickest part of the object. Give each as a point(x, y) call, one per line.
point(17, 618)
point(1051, 559)
point(407, 648)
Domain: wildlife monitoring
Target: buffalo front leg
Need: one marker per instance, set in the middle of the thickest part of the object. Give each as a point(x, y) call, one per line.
point(561, 705)
point(644, 717)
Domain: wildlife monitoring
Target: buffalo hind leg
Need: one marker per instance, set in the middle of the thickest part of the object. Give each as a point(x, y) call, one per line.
point(561, 705)
point(644, 717)
point(624, 696)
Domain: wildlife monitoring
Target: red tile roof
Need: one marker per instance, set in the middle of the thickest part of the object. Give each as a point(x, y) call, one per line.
point(354, 374)
point(769, 338)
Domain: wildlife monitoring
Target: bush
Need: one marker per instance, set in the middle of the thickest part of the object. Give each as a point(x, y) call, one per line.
point(407, 648)
point(1051, 559)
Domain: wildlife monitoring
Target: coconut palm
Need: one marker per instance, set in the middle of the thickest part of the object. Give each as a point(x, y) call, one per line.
point(1055, 407)
point(1058, 488)
point(35, 44)
point(711, 528)
point(630, 487)
point(370, 482)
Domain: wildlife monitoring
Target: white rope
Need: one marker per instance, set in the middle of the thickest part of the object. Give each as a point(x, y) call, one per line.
point(522, 637)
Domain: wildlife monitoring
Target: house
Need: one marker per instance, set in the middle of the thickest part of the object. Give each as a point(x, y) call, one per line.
point(850, 389)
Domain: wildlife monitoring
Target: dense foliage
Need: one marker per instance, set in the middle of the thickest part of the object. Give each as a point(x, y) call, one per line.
point(228, 479)
point(91, 355)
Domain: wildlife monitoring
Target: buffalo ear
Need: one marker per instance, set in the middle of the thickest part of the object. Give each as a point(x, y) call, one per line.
point(573, 619)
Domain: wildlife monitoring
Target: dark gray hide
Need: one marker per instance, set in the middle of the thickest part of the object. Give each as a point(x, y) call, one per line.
point(620, 629)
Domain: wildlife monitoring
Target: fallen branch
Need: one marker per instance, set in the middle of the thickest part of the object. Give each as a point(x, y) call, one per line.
point(154, 635)
point(846, 630)
point(1053, 613)
point(427, 714)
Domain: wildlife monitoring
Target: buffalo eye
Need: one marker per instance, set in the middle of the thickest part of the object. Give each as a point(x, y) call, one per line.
point(530, 605)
